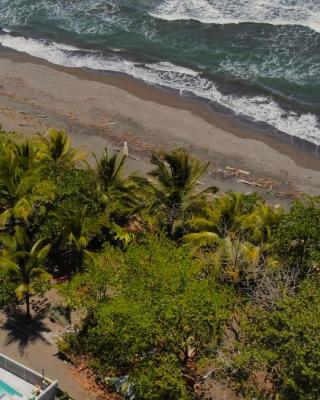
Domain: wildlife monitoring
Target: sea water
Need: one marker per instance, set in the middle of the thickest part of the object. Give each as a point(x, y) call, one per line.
point(259, 59)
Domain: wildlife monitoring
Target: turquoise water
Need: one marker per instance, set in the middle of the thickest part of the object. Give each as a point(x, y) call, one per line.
point(6, 389)
point(259, 59)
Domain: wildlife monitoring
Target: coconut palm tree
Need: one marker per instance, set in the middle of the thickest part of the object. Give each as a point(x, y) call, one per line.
point(229, 210)
point(21, 185)
point(219, 218)
point(177, 176)
point(237, 260)
point(260, 222)
point(113, 183)
point(110, 169)
point(122, 197)
point(78, 230)
point(27, 154)
point(56, 146)
point(23, 262)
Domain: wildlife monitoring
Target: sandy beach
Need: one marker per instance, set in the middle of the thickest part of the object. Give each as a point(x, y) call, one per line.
point(101, 110)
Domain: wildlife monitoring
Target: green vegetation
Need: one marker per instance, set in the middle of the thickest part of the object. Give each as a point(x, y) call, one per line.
point(284, 342)
point(176, 284)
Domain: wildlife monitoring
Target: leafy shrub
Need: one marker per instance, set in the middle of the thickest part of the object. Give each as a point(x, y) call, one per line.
point(160, 310)
point(296, 239)
point(286, 343)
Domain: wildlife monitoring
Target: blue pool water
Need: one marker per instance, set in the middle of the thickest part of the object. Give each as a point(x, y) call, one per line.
point(6, 389)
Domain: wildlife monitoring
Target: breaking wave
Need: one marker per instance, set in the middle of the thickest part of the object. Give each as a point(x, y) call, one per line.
point(276, 12)
point(257, 108)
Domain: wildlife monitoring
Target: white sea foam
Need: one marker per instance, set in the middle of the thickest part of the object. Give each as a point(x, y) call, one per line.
point(276, 12)
point(259, 108)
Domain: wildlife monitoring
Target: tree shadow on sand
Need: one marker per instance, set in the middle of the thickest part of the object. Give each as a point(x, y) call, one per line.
point(24, 331)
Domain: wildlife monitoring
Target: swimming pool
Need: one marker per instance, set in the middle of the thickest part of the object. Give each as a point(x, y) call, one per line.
point(6, 389)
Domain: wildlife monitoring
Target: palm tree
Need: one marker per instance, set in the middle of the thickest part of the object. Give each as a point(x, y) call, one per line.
point(78, 229)
point(110, 169)
point(222, 217)
point(177, 176)
point(23, 262)
point(21, 184)
point(261, 221)
point(56, 147)
point(230, 209)
point(27, 154)
point(123, 197)
point(237, 260)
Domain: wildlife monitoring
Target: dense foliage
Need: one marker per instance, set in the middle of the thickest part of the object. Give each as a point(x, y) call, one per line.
point(284, 343)
point(176, 285)
point(159, 315)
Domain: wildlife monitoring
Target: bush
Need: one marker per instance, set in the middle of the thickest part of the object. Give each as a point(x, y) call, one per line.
point(160, 310)
point(286, 344)
point(296, 239)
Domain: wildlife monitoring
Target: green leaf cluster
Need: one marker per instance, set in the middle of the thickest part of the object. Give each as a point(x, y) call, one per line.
point(159, 319)
point(285, 342)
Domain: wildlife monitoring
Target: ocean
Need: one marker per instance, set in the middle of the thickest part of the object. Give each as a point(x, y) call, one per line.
point(256, 59)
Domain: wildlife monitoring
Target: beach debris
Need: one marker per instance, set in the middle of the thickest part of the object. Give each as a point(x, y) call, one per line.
point(43, 115)
point(267, 184)
point(238, 171)
point(111, 123)
point(230, 172)
point(251, 183)
point(133, 158)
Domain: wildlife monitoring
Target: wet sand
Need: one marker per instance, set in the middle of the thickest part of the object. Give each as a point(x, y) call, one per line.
point(104, 110)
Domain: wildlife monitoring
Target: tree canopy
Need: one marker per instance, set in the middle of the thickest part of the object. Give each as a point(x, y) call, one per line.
point(177, 285)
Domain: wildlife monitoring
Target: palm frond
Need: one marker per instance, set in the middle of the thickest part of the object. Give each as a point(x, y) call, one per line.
point(202, 238)
point(5, 218)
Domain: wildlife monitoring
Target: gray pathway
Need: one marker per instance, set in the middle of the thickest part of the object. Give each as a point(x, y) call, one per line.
point(35, 348)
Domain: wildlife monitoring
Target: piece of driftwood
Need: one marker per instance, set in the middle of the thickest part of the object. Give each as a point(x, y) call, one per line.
point(251, 183)
point(238, 171)
point(133, 158)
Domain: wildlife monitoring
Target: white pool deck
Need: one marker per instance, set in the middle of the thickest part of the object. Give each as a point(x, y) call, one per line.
point(26, 389)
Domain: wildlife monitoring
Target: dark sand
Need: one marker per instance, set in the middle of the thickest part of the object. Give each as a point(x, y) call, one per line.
point(35, 95)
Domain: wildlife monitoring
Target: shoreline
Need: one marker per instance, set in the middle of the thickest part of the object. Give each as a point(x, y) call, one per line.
point(155, 117)
point(214, 113)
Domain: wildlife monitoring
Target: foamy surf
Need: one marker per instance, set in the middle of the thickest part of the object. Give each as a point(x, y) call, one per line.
point(184, 80)
point(274, 12)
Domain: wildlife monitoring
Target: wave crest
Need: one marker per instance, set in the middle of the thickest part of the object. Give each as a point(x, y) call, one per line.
point(184, 80)
point(276, 12)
